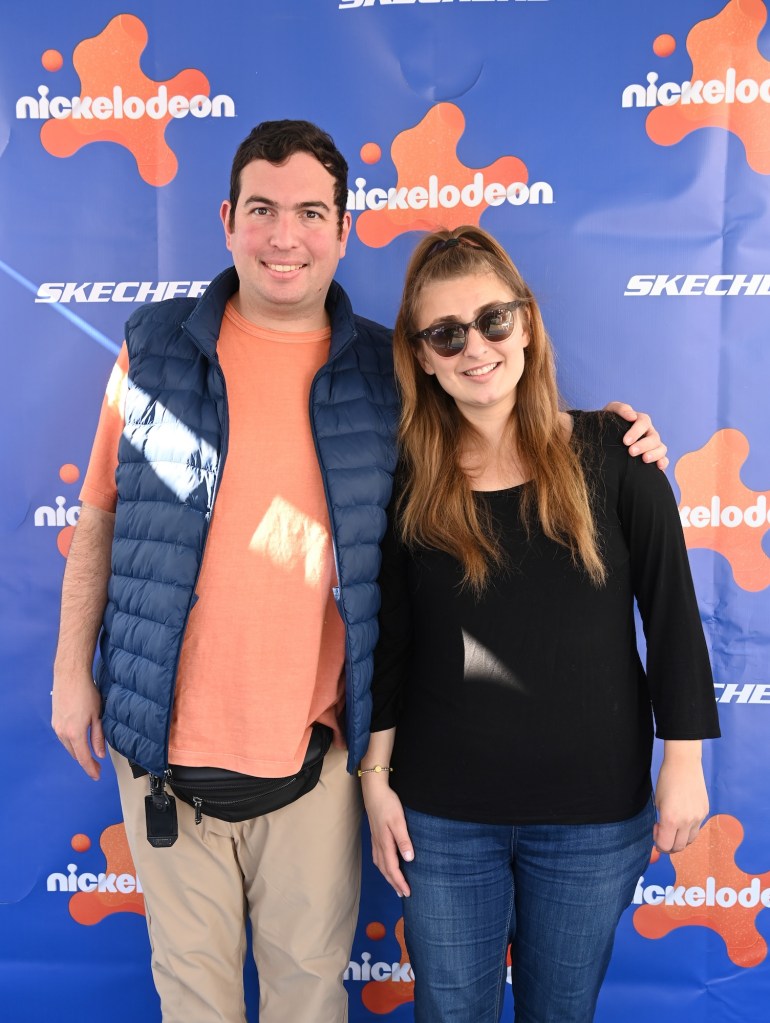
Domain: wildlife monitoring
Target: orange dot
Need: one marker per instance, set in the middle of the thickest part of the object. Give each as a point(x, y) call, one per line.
point(80, 843)
point(370, 152)
point(64, 539)
point(52, 60)
point(375, 930)
point(664, 45)
point(69, 473)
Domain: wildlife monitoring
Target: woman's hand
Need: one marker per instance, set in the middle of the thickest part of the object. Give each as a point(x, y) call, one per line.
point(388, 827)
point(642, 439)
point(680, 796)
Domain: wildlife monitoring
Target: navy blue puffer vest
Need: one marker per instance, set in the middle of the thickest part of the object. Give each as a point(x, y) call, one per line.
point(170, 459)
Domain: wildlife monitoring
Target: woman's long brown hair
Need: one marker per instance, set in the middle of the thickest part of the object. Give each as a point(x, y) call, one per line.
point(436, 507)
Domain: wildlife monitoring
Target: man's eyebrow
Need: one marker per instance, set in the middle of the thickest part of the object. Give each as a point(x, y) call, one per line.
point(261, 200)
point(316, 204)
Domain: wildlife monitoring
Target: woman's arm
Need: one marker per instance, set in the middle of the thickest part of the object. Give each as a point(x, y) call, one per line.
point(391, 664)
point(680, 795)
point(679, 675)
point(385, 812)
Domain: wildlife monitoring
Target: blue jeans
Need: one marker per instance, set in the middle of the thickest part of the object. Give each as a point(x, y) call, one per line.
point(554, 891)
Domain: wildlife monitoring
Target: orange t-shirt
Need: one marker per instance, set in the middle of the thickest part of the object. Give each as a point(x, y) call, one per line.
point(263, 654)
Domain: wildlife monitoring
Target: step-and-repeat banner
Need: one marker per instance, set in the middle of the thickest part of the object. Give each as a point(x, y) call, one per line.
point(620, 151)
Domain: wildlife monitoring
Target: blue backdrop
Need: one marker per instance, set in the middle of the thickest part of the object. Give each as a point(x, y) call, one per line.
point(620, 151)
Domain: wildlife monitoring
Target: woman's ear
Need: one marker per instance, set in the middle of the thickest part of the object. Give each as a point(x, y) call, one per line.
point(423, 359)
point(525, 327)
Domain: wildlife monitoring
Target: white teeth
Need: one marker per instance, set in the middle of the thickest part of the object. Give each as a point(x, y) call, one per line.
point(481, 370)
point(283, 268)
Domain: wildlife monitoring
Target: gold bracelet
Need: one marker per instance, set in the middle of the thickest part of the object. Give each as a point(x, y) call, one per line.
point(377, 769)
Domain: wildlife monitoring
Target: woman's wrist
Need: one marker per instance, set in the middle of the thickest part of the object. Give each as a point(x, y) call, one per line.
point(373, 769)
point(684, 751)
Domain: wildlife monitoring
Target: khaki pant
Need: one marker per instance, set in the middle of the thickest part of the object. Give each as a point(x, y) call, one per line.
point(294, 873)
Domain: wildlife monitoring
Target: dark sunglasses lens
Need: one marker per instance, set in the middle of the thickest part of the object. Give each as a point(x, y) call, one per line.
point(497, 324)
point(447, 339)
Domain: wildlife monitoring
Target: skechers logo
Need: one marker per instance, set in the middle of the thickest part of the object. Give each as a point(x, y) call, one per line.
point(694, 285)
point(349, 5)
point(64, 292)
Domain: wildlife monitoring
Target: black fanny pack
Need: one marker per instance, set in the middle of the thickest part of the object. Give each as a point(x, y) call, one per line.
point(233, 797)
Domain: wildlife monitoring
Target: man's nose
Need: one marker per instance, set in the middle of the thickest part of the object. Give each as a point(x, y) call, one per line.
point(284, 232)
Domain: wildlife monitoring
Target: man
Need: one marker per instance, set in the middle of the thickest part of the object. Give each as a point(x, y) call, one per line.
point(224, 637)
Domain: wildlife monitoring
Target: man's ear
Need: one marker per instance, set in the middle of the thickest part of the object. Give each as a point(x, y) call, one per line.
point(224, 216)
point(347, 223)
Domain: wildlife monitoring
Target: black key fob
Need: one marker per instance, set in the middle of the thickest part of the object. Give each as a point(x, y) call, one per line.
point(162, 828)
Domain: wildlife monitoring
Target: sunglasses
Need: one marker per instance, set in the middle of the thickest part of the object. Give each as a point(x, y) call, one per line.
point(450, 338)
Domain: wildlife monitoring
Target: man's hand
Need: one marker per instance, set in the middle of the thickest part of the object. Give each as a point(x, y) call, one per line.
point(76, 711)
point(642, 439)
point(75, 716)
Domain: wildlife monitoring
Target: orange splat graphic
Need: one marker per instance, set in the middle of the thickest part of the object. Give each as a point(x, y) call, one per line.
point(110, 60)
point(80, 843)
point(92, 907)
point(712, 856)
point(64, 540)
point(728, 40)
point(384, 996)
point(430, 148)
point(69, 473)
point(715, 470)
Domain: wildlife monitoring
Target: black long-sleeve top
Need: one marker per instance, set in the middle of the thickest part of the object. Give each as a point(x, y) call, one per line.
point(530, 704)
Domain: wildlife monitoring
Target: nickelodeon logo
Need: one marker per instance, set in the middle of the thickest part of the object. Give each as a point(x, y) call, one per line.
point(731, 516)
point(367, 970)
point(95, 895)
point(72, 881)
point(729, 87)
point(710, 890)
point(707, 895)
point(719, 513)
point(58, 515)
point(437, 196)
point(714, 91)
point(434, 188)
point(118, 102)
point(117, 106)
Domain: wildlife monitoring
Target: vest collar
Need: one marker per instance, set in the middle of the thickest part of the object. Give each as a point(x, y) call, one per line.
point(341, 318)
point(205, 321)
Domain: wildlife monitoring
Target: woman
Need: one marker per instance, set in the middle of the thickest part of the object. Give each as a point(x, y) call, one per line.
point(507, 781)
